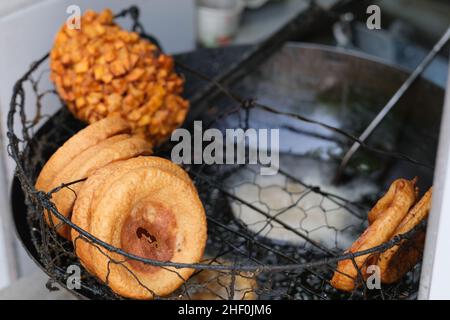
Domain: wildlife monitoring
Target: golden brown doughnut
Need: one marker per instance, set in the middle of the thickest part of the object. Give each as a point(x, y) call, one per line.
point(398, 260)
point(215, 285)
point(81, 210)
point(82, 140)
point(151, 213)
point(180, 212)
point(115, 148)
point(100, 182)
point(395, 207)
point(64, 176)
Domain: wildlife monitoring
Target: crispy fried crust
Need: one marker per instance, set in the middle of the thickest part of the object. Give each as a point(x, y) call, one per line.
point(102, 70)
point(82, 140)
point(214, 285)
point(159, 197)
point(97, 184)
point(398, 260)
point(390, 212)
point(120, 147)
point(148, 192)
point(385, 202)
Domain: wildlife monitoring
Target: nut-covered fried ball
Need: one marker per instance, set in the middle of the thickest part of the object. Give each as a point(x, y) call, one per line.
point(101, 69)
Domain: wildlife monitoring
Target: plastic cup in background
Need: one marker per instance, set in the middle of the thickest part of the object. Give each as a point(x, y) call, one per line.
point(218, 21)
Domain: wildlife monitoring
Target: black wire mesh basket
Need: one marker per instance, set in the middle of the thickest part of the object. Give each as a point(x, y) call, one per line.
point(269, 237)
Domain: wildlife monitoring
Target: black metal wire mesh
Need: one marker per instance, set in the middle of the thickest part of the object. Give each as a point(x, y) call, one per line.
point(253, 250)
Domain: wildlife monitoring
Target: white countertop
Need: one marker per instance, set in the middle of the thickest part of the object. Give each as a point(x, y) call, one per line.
point(33, 287)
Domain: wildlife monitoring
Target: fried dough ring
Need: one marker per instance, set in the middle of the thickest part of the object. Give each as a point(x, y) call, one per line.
point(82, 140)
point(215, 284)
point(119, 147)
point(400, 197)
point(97, 184)
point(156, 200)
point(63, 177)
point(219, 282)
point(398, 260)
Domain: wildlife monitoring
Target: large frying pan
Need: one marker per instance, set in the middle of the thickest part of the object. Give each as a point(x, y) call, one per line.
point(330, 84)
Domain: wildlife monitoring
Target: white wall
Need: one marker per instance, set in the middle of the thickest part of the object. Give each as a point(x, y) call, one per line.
point(8, 260)
point(27, 29)
point(435, 276)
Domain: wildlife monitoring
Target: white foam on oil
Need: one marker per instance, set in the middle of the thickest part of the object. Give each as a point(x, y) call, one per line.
point(279, 201)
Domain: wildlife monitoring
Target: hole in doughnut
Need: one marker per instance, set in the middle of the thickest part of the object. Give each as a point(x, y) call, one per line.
point(149, 232)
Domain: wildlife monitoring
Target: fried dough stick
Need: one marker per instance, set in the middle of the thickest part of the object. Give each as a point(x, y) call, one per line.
point(389, 212)
point(398, 260)
point(386, 201)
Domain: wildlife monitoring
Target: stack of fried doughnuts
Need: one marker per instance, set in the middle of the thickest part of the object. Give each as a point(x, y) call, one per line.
point(149, 207)
point(395, 213)
point(146, 206)
point(95, 146)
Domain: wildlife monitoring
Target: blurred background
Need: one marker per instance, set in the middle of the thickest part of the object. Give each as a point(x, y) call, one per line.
point(409, 28)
